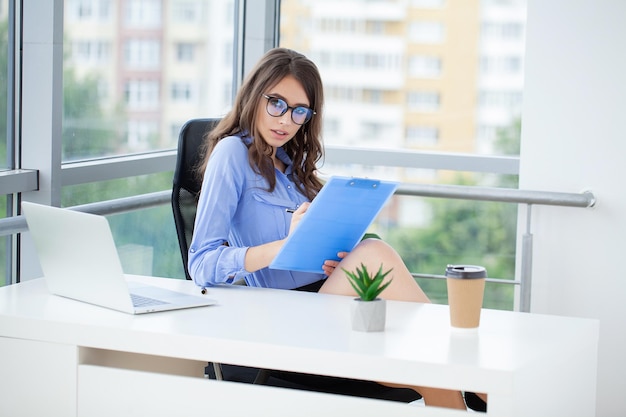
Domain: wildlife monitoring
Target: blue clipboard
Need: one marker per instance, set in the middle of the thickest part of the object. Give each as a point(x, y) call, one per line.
point(336, 221)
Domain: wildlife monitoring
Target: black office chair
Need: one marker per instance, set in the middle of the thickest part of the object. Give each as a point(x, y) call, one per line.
point(186, 186)
point(185, 190)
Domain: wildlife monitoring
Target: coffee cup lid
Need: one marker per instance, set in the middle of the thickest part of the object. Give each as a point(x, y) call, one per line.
point(465, 271)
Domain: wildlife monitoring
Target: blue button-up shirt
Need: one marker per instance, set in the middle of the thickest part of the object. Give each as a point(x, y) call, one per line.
point(235, 207)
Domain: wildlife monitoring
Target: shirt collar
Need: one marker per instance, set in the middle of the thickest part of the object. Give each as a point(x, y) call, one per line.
point(280, 153)
point(282, 156)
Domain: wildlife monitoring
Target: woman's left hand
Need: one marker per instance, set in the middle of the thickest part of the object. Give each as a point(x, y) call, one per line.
point(330, 264)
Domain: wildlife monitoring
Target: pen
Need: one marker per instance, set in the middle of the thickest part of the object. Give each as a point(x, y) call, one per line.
point(289, 210)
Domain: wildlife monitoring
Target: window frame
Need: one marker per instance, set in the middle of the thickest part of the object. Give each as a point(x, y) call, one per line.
point(38, 173)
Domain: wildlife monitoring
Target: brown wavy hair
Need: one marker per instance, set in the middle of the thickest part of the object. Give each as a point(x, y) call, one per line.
point(305, 148)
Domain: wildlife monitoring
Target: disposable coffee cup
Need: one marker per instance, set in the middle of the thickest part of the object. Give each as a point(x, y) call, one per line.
point(466, 288)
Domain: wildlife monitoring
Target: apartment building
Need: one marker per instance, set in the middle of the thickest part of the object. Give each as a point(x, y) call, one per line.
point(158, 62)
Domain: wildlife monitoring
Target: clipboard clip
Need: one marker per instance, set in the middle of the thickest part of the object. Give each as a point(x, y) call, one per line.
point(363, 183)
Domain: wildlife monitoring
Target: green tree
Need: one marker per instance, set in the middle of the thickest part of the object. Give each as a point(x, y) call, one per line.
point(87, 131)
point(466, 232)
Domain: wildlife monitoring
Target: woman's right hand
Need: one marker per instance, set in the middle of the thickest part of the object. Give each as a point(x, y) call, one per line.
point(297, 215)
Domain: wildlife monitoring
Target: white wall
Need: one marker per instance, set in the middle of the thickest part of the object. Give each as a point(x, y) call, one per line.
point(573, 139)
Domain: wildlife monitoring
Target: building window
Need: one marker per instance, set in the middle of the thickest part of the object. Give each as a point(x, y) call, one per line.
point(175, 129)
point(423, 101)
point(142, 94)
point(88, 10)
point(142, 53)
point(425, 66)
point(140, 133)
point(181, 92)
point(371, 130)
point(91, 52)
point(501, 64)
point(511, 100)
point(426, 32)
point(143, 13)
point(422, 136)
point(185, 11)
point(185, 52)
point(344, 94)
point(428, 4)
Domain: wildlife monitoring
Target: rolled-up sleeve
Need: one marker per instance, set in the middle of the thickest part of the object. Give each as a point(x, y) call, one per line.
point(211, 264)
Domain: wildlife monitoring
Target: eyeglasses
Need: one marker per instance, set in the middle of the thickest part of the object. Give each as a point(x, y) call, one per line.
point(276, 107)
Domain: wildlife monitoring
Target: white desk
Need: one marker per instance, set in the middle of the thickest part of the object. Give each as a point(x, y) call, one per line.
point(61, 357)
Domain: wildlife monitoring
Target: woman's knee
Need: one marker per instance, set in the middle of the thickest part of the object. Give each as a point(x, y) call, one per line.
point(374, 249)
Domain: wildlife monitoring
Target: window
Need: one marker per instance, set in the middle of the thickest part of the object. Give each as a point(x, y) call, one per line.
point(185, 52)
point(89, 10)
point(422, 136)
point(142, 94)
point(428, 4)
point(424, 66)
point(142, 53)
point(421, 52)
point(125, 66)
point(143, 13)
point(426, 32)
point(424, 101)
point(182, 92)
point(140, 133)
point(501, 99)
point(423, 61)
point(123, 85)
point(91, 52)
point(503, 31)
point(507, 64)
point(371, 131)
point(125, 96)
point(186, 12)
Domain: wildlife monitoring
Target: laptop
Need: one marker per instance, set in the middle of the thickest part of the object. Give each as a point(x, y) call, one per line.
point(79, 260)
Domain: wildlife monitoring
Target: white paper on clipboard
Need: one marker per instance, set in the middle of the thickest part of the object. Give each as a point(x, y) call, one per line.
point(336, 221)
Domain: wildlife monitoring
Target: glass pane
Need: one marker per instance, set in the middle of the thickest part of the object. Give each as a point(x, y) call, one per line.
point(108, 190)
point(430, 233)
point(4, 83)
point(431, 75)
point(5, 137)
point(146, 239)
point(147, 243)
point(136, 70)
point(426, 75)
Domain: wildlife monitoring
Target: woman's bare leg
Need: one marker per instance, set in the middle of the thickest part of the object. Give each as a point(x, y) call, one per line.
point(372, 253)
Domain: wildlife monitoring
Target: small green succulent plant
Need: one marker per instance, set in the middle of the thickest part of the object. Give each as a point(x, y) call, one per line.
point(368, 287)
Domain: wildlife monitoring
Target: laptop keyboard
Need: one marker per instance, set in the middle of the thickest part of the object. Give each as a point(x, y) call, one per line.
point(141, 301)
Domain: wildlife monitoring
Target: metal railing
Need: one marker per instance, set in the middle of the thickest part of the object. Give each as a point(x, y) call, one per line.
point(585, 199)
point(126, 166)
point(508, 195)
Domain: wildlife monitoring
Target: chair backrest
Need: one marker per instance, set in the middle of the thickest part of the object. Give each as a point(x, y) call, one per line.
point(186, 185)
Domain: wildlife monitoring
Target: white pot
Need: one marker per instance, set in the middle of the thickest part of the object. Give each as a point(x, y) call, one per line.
point(368, 316)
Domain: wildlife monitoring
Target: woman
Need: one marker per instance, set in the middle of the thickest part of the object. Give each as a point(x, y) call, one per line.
point(261, 160)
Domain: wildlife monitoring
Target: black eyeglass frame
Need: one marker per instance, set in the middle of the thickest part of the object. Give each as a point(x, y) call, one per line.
point(310, 112)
